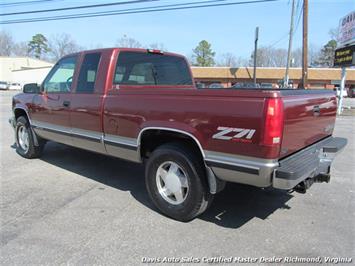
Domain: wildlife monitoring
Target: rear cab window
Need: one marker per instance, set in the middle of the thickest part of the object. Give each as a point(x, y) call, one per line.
point(151, 69)
point(88, 73)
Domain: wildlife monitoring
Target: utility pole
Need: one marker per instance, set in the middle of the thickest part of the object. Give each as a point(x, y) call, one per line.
point(289, 45)
point(255, 52)
point(305, 45)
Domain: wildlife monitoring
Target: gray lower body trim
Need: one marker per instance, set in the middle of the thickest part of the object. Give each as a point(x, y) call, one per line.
point(241, 169)
point(121, 147)
point(52, 132)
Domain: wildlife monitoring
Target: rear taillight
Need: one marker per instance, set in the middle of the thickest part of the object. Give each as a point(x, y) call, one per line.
point(273, 122)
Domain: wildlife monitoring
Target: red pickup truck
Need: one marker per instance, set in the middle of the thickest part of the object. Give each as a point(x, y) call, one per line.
point(143, 106)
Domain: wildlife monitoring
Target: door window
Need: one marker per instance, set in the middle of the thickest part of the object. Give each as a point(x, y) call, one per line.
point(60, 78)
point(88, 73)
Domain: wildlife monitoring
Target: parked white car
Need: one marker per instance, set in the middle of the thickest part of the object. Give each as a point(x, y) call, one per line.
point(15, 86)
point(4, 85)
point(345, 92)
point(216, 86)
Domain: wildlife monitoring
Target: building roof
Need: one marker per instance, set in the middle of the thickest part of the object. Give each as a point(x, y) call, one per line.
point(18, 62)
point(269, 73)
point(31, 68)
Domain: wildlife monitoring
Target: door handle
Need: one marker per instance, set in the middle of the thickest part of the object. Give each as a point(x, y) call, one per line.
point(316, 110)
point(66, 103)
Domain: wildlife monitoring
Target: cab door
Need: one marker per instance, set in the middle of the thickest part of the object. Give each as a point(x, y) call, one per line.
point(51, 108)
point(86, 103)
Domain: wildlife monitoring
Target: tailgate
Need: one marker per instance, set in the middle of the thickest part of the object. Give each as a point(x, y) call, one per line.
point(309, 116)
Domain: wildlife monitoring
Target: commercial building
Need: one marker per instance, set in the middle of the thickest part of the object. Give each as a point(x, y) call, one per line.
point(317, 77)
point(23, 70)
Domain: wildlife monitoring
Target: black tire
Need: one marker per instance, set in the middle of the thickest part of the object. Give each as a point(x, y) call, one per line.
point(32, 151)
point(197, 199)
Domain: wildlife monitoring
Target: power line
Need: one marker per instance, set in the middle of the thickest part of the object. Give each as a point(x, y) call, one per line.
point(115, 11)
point(76, 7)
point(285, 35)
point(299, 17)
point(122, 10)
point(26, 3)
point(279, 40)
point(135, 11)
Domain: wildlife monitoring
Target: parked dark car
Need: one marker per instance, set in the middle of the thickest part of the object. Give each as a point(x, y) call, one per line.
point(246, 85)
point(266, 85)
point(200, 85)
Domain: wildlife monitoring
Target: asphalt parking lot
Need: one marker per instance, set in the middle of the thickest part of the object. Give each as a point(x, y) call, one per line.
point(76, 207)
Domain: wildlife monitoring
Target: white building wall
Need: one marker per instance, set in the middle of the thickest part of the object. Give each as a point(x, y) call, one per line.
point(9, 65)
point(35, 75)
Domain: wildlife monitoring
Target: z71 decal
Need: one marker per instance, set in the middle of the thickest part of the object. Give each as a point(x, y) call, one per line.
point(234, 134)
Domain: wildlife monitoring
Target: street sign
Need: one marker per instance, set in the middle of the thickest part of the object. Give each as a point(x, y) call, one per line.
point(347, 30)
point(345, 56)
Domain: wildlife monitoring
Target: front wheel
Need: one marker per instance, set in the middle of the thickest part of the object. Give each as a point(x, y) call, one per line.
point(176, 182)
point(25, 145)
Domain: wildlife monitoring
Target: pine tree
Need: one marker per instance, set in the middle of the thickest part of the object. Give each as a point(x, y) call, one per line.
point(326, 58)
point(203, 54)
point(38, 46)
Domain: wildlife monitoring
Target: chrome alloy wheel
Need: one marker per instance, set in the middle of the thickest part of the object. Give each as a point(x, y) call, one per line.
point(172, 183)
point(23, 138)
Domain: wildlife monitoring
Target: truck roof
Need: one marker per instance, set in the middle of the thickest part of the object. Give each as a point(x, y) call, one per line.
point(112, 49)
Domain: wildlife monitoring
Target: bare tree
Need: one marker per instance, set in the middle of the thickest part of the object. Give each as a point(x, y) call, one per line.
point(128, 42)
point(61, 45)
point(313, 54)
point(20, 49)
point(6, 43)
point(334, 33)
point(230, 60)
point(227, 59)
point(270, 57)
point(190, 59)
point(297, 57)
point(158, 46)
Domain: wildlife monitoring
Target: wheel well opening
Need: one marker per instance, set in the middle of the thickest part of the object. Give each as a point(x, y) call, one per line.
point(152, 139)
point(20, 112)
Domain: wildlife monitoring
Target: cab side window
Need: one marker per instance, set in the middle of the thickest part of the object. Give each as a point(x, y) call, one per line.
point(138, 68)
point(60, 78)
point(88, 73)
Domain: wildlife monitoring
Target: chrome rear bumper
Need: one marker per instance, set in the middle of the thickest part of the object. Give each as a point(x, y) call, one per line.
point(284, 174)
point(307, 163)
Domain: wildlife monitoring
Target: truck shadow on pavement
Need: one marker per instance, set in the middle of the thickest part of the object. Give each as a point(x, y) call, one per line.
point(233, 207)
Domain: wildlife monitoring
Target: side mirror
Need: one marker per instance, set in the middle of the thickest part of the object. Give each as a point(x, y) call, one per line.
point(31, 88)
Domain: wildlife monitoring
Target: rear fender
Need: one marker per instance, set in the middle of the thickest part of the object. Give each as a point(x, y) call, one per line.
point(215, 185)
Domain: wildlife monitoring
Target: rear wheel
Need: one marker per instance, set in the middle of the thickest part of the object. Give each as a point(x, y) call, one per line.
point(176, 182)
point(25, 144)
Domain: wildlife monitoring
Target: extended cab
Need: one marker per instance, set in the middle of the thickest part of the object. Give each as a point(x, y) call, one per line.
point(143, 106)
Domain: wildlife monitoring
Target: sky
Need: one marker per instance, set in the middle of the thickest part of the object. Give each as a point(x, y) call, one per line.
point(229, 29)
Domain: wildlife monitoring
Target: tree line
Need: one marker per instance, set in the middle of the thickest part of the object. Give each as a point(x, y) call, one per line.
point(202, 55)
